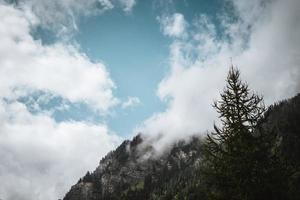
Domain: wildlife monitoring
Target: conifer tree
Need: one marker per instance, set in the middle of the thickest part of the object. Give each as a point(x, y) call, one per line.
point(240, 160)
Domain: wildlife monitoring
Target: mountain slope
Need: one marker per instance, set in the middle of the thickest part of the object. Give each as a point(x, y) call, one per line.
point(129, 173)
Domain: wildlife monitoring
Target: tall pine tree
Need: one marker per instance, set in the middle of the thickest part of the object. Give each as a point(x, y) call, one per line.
point(240, 160)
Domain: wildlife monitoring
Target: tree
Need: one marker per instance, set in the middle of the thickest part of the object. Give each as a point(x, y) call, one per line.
point(240, 160)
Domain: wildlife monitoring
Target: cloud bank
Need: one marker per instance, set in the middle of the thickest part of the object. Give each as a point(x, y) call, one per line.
point(60, 69)
point(41, 158)
point(262, 39)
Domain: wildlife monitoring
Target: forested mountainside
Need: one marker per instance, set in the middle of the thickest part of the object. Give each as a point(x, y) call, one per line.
point(125, 174)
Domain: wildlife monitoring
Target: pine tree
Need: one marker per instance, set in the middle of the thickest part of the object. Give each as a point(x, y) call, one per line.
point(240, 160)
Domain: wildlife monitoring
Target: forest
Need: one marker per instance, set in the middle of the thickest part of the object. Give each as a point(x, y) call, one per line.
point(253, 153)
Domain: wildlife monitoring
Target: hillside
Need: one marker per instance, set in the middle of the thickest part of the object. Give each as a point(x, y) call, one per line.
point(125, 173)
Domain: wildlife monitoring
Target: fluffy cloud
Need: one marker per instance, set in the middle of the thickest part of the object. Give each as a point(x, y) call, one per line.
point(41, 158)
point(174, 25)
point(263, 43)
point(60, 69)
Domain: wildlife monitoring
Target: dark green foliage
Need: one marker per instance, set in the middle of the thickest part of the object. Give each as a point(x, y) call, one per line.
point(87, 178)
point(284, 117)
point(241, 159)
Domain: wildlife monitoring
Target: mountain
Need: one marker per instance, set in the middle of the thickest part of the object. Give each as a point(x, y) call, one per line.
point(125, 171)
point(133, 172)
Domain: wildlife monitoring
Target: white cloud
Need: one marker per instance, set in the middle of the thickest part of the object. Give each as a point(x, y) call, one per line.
point(62, 15)
point(130, 102)
point(264, 44)
point(174, 25)
point(26, 65)
point(41, 159)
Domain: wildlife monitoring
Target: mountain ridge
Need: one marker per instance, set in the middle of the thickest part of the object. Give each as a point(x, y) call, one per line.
point(124, 174)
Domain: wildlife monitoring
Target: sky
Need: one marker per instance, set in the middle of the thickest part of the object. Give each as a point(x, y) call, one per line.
point(76, 79)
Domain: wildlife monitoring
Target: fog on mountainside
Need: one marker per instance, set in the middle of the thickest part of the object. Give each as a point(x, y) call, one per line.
point(254, 154)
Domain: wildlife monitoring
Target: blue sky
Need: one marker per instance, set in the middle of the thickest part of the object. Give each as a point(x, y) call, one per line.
point(134, 51)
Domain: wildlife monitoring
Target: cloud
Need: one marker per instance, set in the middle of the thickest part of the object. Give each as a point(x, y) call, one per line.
point(27, 65)
point(263, 43)
point(62, 16)
point(127, 4)
point(130, 102)
point(41, 159)
point(174, 25)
